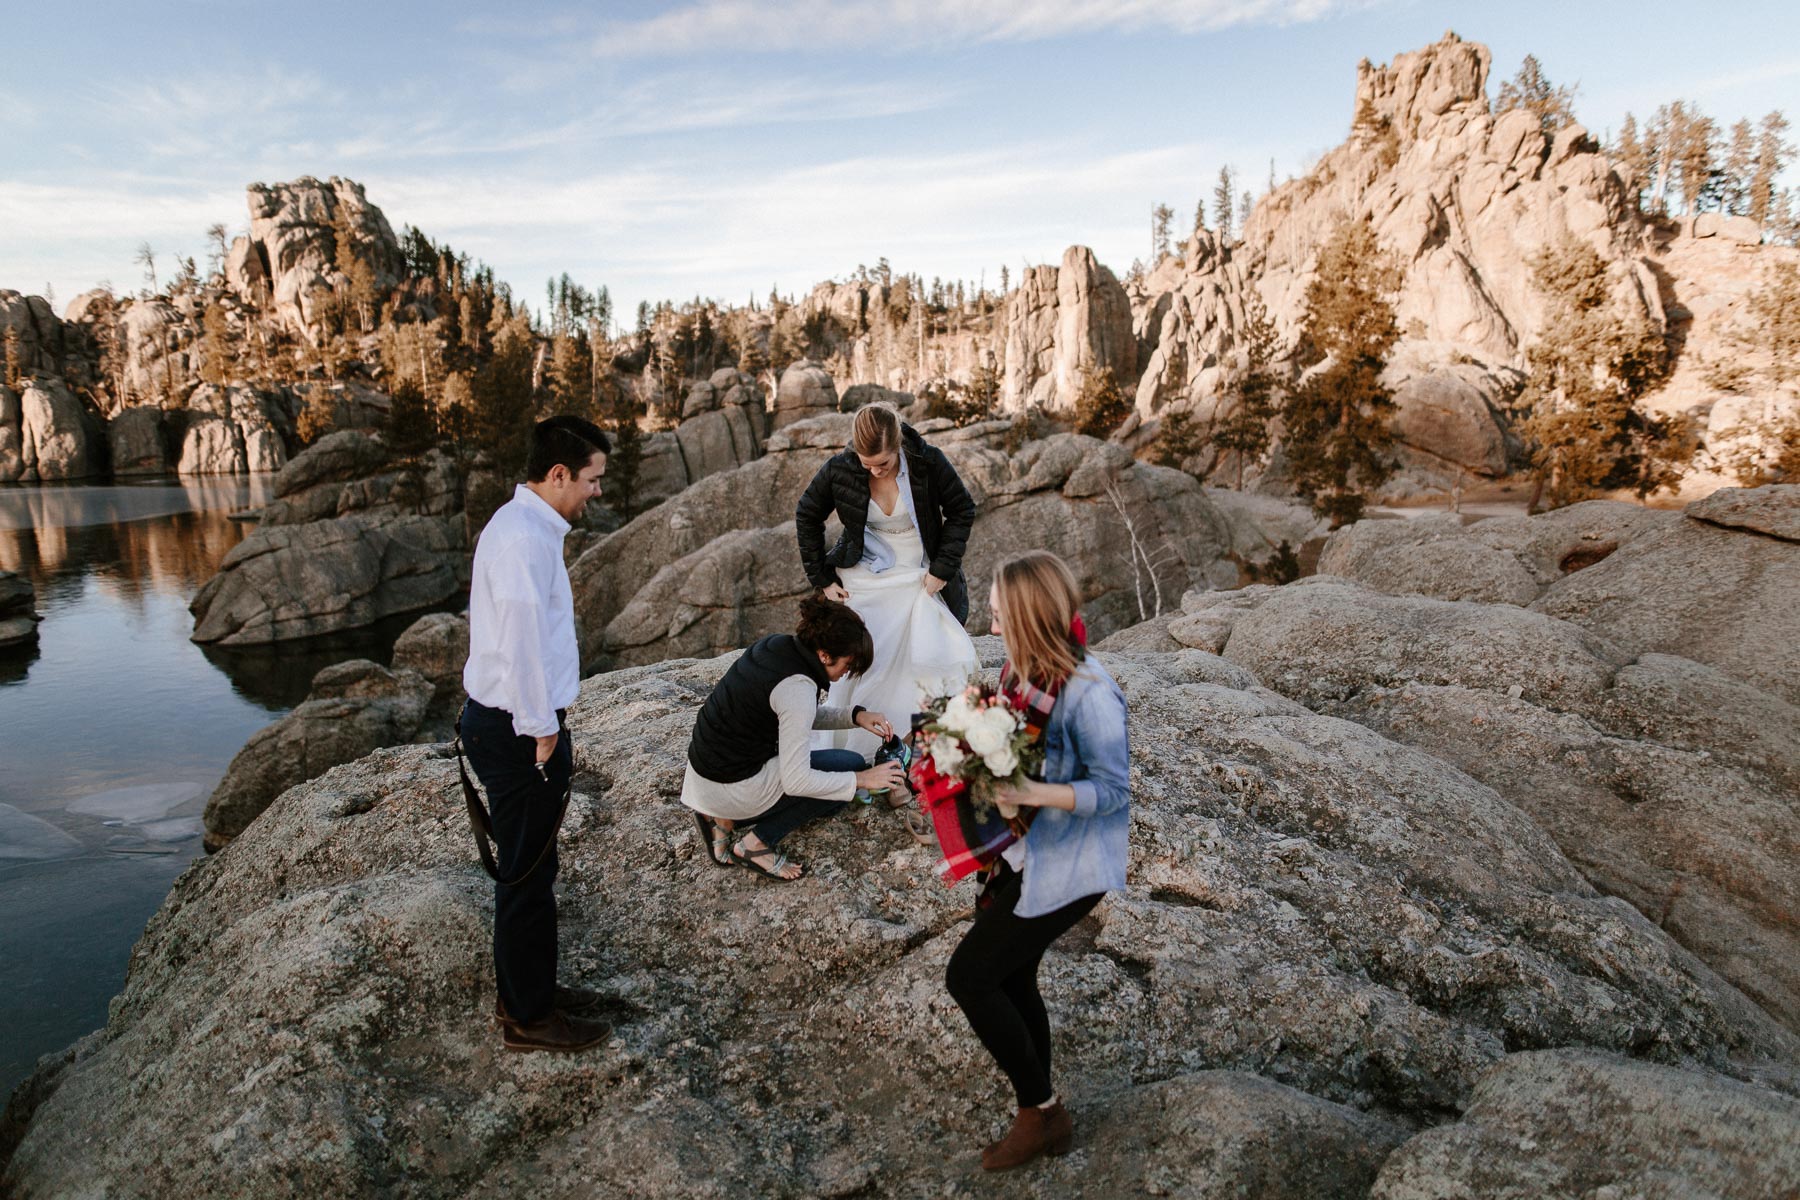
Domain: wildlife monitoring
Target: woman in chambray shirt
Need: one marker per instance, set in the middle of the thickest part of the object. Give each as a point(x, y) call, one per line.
point(1073, 852)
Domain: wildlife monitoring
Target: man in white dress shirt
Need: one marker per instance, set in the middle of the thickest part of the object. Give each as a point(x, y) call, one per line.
point(524, 670)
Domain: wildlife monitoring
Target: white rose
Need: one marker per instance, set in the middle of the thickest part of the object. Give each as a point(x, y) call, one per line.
point(1002, 762)
point(986, 735)
point(946, 756)
point(958, 715)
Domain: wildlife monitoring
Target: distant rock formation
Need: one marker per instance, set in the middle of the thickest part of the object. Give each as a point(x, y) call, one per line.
point(292, 245)
point(723, 425)
point(1063, 325)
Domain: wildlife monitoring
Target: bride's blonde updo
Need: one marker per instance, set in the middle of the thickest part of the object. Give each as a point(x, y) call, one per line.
point(876, 431)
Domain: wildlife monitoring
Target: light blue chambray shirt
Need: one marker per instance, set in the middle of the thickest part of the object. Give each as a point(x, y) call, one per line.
point(1069, 855)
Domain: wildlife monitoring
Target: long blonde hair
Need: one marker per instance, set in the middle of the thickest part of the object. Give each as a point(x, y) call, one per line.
point(1038, 600)
point(876, 430)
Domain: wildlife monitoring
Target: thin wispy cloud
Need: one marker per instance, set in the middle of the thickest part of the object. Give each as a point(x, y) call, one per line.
point(776, 25)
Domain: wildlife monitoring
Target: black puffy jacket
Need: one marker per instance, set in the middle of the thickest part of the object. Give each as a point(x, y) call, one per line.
point(941, 503)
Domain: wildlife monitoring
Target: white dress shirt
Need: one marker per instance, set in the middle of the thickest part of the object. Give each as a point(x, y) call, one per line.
point(798, 712)
point(522, 652)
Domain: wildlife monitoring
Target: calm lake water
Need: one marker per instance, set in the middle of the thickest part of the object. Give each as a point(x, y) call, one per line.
point(114, 729)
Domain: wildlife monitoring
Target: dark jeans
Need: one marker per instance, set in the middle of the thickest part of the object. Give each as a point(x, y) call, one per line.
point(524, 809)
point(791, 812)
point(992, 976)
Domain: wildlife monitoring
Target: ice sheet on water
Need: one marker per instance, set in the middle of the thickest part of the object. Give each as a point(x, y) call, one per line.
point(23, 836)
point(174, 829)
point(137, 805)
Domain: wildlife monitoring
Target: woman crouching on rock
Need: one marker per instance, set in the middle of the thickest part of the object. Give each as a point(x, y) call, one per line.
point(750, 763)
point(1073, 850)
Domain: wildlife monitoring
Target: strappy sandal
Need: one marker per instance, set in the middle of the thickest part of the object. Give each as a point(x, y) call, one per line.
point(716, 840)
point(753, 860)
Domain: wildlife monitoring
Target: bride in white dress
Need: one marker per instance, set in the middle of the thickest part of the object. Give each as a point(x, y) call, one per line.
point(921, 647)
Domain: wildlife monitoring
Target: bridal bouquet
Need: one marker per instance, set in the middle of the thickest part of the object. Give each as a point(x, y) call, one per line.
point(968, 744)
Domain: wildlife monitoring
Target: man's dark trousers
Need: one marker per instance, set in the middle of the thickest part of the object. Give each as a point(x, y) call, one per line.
point(524, 809)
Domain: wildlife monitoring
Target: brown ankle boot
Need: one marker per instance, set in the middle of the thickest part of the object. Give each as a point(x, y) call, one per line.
point(1034, 1131)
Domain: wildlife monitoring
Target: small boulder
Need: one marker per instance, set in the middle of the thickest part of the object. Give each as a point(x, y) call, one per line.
point(18, 612)
point(354, 707)
point(806, 390)
point(436, 646)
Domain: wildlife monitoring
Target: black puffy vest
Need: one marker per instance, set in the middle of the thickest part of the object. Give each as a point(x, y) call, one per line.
point(737, 732)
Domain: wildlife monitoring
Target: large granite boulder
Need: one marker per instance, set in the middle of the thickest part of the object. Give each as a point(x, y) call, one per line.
point(18, 610)
point(353, 708)
point(212, 446)
point(136, 438)
point(436, 647)
point(57, 436)
point(325, 576)
point(712, 569)
point(1634, 1135)
point(1365, 928)
point(1668, 782)
point(37, 340)
point(1065, 323)
point(1714, 583)
point(12, 436)
point(806, 390)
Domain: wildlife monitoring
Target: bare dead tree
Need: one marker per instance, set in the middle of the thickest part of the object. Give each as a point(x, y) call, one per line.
point(1142, 563)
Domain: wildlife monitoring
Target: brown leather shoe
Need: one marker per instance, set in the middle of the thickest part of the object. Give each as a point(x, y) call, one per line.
point(1034, 1131)
point(558, 1031)
point(577, 1002)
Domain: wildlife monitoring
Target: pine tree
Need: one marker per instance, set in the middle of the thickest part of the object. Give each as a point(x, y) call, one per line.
point(1694, 150)
point(15, 364)
point(1102, 405)
point(504, 408)
point(1773, 153)
point(1337, 423)
point(146, 258)
point(1177, 439)
point(1588, 369)
point(1199, 215)
point(1632, 158)
point(218, 352)
point(1222, 197)
point(1160, 217)
point(1533, 92)
point(982, 395)
point(1253, 401)
point(215, 261)
point(411, 428)
point(1740, 163)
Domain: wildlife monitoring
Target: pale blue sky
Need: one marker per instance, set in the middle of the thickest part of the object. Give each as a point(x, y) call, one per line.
point(719, 147)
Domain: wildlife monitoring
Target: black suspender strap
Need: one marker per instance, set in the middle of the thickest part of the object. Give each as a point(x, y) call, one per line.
point(483, 825)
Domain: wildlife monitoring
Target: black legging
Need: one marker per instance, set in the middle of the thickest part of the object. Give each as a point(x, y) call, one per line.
point(992, 976)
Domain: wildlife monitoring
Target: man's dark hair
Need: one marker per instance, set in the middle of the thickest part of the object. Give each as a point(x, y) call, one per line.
point(837, 630)
point(567, 440)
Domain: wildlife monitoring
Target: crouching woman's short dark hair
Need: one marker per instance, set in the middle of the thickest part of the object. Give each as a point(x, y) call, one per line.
point(837, 630)
point(564, 441)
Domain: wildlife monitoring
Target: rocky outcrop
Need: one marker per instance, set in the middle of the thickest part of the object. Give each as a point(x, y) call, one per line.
point(294, 581)
point(1516, 1137)
point(354, 707)
point(1065, 323)
point(18, 610)
point(30, 335)
point(1713, 583)
point(723, 425)
point(136, 439)
point(235, 429)
point(806, 390)
point(57, 438)
point(1363, 927)
point(1667, 781)
point(292, 244)
point(12, 436)
point(711, 570)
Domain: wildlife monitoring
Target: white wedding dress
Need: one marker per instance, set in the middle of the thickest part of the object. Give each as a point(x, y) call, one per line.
point(920, 647)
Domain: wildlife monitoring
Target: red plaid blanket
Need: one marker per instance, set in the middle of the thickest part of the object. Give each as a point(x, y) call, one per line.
point(971, 842)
